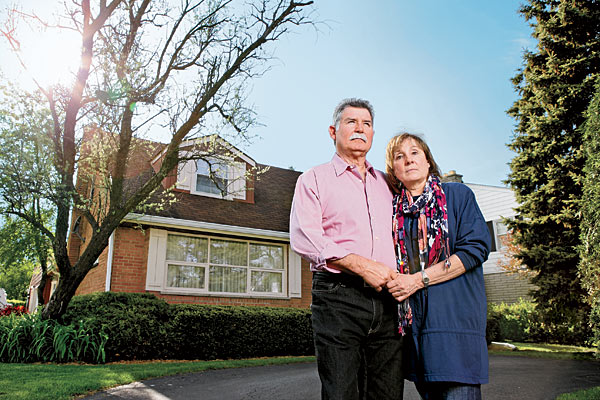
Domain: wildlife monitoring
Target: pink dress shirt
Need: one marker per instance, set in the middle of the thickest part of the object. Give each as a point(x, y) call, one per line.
point(335, 213)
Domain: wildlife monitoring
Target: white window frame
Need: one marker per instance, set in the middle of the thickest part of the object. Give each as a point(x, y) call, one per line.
point(497, 228)
point(235, 175)
point(156, 278)
point(228, 174)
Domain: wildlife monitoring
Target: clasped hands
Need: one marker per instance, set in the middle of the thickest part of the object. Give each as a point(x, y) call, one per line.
point(401, 286)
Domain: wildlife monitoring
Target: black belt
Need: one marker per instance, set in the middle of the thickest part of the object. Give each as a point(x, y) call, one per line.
point(343, 278)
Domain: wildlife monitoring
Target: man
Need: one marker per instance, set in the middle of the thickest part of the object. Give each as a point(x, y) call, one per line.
point(341, 221)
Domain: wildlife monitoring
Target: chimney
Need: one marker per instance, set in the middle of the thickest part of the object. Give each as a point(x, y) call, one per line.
point(452, 176)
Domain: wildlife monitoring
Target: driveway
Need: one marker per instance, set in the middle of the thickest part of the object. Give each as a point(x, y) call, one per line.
point(511, 377)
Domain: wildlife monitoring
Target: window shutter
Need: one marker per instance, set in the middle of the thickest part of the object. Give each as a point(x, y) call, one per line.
point(295, 274)
point(185, 175)
point(238, 170)
point(157, 252)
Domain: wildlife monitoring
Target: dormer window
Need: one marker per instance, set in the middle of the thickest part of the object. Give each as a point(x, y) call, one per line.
point(216, 185)
point(226, 176)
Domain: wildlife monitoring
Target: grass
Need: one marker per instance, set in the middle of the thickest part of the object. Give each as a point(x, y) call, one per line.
point(588, 394)
point(554, 351)
point(66, 381)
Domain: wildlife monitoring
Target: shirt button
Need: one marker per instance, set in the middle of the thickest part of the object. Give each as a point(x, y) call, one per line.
point(376, 237)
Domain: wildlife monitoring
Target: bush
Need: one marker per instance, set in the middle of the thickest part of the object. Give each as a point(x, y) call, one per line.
point(12, 309)
point(595, 323)
point(524, 322)
point(136, 323)
point(28, 338)
point(210, 332)
point(142, 326)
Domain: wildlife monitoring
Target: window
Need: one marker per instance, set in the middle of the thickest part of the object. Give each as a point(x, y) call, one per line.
point(217, 184)
point(216, 265)
point(498, 231)
point(501, 231)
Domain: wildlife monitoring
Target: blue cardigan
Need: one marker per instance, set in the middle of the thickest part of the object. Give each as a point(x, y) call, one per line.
point(449, 319)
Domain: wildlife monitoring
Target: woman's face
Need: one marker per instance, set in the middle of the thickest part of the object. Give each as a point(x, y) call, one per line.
point(411, 166)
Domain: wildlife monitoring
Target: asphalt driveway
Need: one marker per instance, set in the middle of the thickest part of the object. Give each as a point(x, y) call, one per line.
point(511, 377)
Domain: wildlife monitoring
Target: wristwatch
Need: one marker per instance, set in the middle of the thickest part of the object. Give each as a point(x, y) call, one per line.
point(425, 278)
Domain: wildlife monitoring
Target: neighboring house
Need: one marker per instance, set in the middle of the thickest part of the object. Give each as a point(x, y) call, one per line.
point(3, 301)
point(496, 203)
point(205, 248)
point(32, 293)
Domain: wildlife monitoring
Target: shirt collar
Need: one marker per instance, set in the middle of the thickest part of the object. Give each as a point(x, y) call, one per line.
point(340, 166)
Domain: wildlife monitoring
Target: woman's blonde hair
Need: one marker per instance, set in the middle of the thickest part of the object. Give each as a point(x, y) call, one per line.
point(393, 146)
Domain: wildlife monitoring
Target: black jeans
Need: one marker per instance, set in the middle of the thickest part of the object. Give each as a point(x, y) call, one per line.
point(355, 327)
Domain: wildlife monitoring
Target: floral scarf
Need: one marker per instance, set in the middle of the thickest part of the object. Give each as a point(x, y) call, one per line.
point(430, 209)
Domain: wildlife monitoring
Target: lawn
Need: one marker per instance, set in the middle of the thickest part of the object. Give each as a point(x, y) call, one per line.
point(65, 381)
point(556, 351)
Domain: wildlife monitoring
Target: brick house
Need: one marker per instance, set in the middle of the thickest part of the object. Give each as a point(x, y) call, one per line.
point(222, 241)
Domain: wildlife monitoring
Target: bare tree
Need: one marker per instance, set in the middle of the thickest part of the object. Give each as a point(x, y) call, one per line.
point(145, 65)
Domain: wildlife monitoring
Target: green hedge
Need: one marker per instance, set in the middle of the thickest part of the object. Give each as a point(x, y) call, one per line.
point(136, 323)
point(523, 322)
point(211, 332)
point(142, 326)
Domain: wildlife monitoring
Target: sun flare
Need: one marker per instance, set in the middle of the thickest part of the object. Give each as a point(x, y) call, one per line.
point(51, 57)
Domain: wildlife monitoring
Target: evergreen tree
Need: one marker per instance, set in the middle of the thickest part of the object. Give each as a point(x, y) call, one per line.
point(555, 86)
point(589, 251)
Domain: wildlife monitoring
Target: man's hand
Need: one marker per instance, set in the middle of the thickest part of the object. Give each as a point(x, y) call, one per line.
point(377, 275)
point(374, 273)
point(404, 285)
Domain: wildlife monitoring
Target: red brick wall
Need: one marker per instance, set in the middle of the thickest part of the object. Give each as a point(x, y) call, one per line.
point(95, 280)
point(130, 259)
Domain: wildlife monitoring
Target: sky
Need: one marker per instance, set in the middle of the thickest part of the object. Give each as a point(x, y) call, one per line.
point(440, 68)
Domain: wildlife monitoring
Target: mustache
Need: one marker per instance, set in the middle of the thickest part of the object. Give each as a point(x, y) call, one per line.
point(360, 136)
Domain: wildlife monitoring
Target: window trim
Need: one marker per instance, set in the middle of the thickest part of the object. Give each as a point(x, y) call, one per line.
point(285, 273)
point(194, 180)
point(497, 245)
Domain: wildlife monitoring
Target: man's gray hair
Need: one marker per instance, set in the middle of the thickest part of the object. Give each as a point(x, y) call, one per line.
point(351, 102)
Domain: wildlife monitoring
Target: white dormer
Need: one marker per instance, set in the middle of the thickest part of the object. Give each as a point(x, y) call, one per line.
point(229, 178)
point(230, 169)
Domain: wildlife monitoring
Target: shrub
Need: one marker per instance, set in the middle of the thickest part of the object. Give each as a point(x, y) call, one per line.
point(209, 332)
point(28, 338)
point(142, 326)
point(524, 322)
point(12, 309)
point(136, 323)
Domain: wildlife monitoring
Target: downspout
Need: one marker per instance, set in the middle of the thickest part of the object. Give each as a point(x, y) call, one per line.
point(109, 261)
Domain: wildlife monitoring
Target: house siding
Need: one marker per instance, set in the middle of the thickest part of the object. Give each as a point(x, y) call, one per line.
point(497, 203)
point(506, 288)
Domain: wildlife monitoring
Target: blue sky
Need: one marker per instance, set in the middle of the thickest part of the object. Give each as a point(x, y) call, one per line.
point(435, 67)
point(440, 68)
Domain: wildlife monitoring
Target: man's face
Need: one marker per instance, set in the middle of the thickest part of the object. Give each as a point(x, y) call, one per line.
point(354, 135)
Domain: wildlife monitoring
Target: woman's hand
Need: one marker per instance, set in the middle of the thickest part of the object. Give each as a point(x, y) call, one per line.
point(404, 285)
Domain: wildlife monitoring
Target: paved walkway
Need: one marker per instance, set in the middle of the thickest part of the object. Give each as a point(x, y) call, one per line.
point(511, 377)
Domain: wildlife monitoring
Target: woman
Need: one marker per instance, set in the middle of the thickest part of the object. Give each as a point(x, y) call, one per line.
point(441, 242)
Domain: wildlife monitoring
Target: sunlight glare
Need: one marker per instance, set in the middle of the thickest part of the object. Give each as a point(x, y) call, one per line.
point(51, 57)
